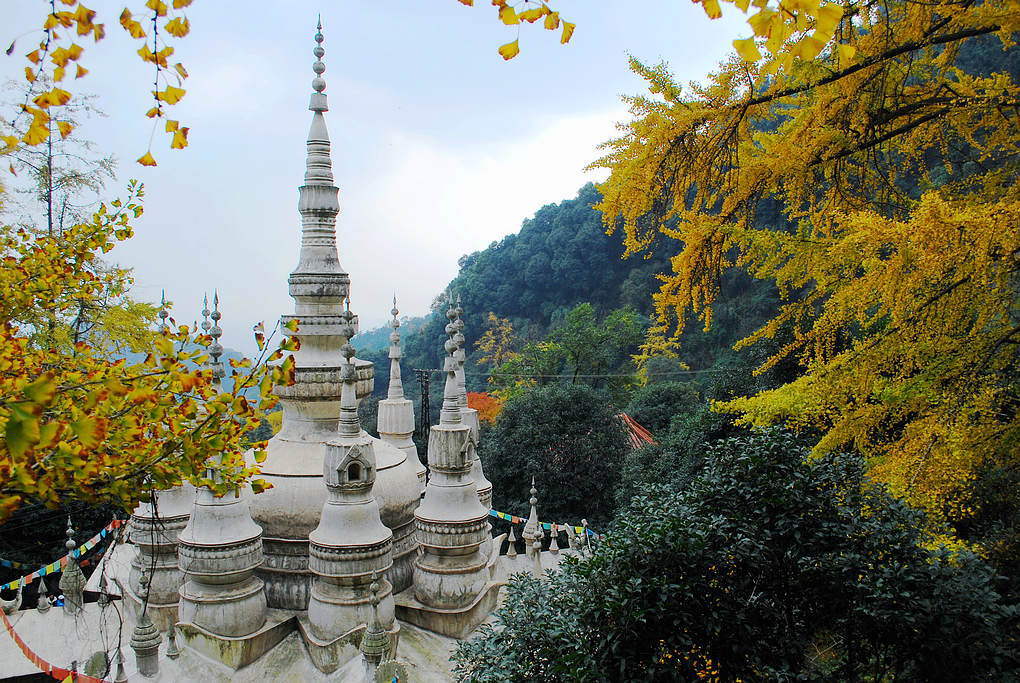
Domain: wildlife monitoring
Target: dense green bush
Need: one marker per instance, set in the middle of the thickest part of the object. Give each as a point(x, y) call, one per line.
point(654, 406)
point(568, 438)
point(766, 567)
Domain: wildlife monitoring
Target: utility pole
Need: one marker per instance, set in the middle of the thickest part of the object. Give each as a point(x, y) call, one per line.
point(424, 377)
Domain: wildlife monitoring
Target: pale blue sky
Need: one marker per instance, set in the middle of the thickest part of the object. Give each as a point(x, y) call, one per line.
point(439, 146)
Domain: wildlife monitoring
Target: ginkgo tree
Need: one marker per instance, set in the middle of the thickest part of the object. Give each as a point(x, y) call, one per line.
point(66, 30)
point(80, 424)
point(898, 249)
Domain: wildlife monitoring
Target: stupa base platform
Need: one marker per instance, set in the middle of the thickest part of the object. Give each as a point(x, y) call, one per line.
point(330, 655)
point(454, 623)
point(236, 652)
point(163, 616)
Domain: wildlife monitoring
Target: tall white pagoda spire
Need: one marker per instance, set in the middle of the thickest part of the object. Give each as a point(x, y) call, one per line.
point(311, 406)
point(313, 410)
point(396, 414)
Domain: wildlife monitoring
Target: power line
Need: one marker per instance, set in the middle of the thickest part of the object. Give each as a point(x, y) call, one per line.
point(588, 376)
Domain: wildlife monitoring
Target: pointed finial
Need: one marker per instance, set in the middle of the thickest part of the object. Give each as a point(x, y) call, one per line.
point(554, 539)
point(376, 641)
point(72, 581)
point(121, 676)
point(318, 83)
point(374, 588)
point(205, 314)
point(511, 549)
point(44, 596)
point(215, 331)
point(536, 555)
point(350, 423)
point(69, 543)
point(396, 387)
point(450, 413)
point(173, 651)
point(163, 314)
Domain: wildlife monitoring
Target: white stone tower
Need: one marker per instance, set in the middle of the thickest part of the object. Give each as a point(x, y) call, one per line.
point(351, 544)
point(453, 587)
point(220, 548)
point(470, 415)
point(396, 414)
point(153, 528)
point(290, 510)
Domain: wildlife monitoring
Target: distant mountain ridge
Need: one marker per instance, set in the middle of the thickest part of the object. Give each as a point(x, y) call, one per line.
point(379, 337)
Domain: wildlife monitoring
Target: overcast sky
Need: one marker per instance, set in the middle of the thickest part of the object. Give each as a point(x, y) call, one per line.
point(439, 146)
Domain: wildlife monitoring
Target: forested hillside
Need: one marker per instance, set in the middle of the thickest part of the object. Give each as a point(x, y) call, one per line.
point(561, 258)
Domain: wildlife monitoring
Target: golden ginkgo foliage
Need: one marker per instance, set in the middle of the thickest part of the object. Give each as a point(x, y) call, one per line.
point(79, 422)
point(893, 155)
point(66, 28)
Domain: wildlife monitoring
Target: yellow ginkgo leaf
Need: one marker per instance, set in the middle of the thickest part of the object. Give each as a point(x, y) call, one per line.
point(81, 71)
point(171, 125)
point(58, 73)
point(742, 5)
point(33, 56)
point(508, 16)
point(747, 50)
point(65, 129)
point(171, 95)
point(533, 15)
point(810, 47)
point(568, 31)
point(711, 8)
point(846, 54)
point(510, 50)
point(152, 113)
point(469, 3)
point(178, 4)
point(761, 23)
point(180, 140)
point(59, 97)
point(552, 21)
point(10, 141)
point(157, 6)
point(29, 74)
point(178, 27)
point(147, 160)
point(827, 19)
point(181, 70)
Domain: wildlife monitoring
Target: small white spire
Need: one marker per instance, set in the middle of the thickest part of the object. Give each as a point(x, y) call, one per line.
point(350, 424)
point(461, 356)
point(163, 314)
point(215, 349)
point(450, 414)
point(396, 388)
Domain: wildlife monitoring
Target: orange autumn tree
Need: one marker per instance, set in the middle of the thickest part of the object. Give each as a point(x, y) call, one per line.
point(79, 423)
point(488, 406)
point(894, 161)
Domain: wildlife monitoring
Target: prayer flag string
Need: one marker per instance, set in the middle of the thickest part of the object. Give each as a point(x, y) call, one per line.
point(57, 566)
point(514, 519)
point(57, 672)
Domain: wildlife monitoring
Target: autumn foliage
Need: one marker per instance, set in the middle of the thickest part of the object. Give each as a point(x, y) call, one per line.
point(897, 244)
point(82, 423)
point(488, 406)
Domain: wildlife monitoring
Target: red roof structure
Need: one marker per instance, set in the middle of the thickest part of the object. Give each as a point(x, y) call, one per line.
point(638, 435)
